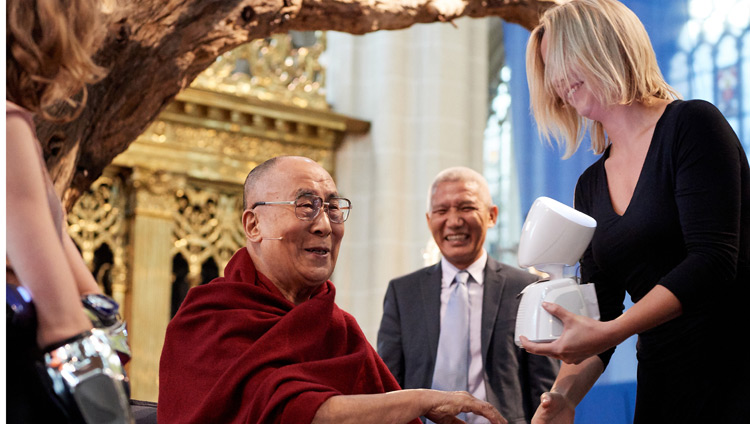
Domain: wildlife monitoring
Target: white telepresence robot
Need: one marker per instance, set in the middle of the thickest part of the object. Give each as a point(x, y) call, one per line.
point(554, 236)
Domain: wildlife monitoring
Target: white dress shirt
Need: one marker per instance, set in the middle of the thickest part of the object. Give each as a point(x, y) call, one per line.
point(476, 294)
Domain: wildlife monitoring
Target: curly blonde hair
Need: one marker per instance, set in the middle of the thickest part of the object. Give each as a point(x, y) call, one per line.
point(49, 48)
point(606, 42)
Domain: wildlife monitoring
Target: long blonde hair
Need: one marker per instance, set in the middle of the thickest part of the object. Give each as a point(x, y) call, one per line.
point(607, 43)
point(49, 47)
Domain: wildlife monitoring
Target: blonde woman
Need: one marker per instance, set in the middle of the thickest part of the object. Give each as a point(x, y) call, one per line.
point(671, 196)
point(49, 47)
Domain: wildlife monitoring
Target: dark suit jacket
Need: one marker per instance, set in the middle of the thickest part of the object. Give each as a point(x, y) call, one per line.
point(410, 328)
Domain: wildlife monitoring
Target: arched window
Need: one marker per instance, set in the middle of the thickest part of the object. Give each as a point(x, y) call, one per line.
point(500, 172)
point(713, 59)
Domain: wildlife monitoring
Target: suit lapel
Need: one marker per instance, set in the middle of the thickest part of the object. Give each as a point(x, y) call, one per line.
point(494, 284)
point(430, 288)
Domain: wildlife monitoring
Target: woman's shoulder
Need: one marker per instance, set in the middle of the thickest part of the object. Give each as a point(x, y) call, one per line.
point(11, 107)
point(14, 110)
point(18, 120)
point(688, 110)
point(698, 129)
point(691, 118)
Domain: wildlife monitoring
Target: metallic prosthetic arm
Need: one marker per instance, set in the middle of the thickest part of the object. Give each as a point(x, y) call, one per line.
point(88, 377)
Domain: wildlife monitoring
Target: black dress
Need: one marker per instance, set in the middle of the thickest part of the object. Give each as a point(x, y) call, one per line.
point(687, 228)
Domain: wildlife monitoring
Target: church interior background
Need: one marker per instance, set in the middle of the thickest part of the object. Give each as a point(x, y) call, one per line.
point(383, 113)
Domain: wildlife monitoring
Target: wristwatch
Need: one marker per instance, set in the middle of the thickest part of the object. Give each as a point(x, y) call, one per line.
point(104, 314)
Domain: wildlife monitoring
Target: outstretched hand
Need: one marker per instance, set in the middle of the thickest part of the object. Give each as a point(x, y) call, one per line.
point(582, 337)
point(402, 406)
point(554, 409)
point(450, 404)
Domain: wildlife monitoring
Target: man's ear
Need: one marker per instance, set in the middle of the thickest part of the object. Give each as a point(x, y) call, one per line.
point(493, 214)
point(250, 226)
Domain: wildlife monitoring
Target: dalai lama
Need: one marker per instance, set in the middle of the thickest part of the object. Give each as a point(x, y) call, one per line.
point(267, 344)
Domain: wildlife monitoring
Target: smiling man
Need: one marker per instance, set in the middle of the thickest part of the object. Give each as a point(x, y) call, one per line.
point(266, 343)
point(446, 332)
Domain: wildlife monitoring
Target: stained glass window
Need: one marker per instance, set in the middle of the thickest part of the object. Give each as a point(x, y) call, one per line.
point(713, 59)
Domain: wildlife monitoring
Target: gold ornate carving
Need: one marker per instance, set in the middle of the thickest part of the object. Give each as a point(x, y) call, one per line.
point(97, 219)
point(154, 192)
point(193, 138)
point(284, 68)
point(207, 225)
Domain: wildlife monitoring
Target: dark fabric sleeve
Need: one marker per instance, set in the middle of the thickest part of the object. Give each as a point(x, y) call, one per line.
point(302, 404)
point(390, 347)
point(707, 161)
point(303, 408)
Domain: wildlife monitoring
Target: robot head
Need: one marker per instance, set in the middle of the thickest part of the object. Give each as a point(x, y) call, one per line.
point(554, 235)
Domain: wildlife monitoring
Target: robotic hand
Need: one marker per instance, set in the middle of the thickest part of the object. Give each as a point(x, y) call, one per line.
point(86, 371)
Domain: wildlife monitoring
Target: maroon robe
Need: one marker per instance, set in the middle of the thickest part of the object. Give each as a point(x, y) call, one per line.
point(239, 352)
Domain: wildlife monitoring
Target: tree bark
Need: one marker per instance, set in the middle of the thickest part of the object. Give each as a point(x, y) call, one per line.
point(155, 48)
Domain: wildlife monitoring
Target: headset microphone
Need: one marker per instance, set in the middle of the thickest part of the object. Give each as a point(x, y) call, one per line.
point(272, 238)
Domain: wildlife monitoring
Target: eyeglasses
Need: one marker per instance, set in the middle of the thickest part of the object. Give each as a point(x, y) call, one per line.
point(307, 207)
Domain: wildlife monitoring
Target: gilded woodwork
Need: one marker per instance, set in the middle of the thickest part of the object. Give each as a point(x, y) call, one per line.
point(283, 69)
point(99, 219)
point(207, 226)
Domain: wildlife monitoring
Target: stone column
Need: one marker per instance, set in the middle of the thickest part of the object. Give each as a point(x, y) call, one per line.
point(152, 278)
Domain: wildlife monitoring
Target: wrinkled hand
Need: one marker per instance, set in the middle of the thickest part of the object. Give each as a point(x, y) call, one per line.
point(554, 409)
point(450, 404)
point(582, 337)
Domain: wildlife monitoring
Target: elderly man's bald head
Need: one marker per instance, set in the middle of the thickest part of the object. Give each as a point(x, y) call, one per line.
point(257, 182)
point(254, 178)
